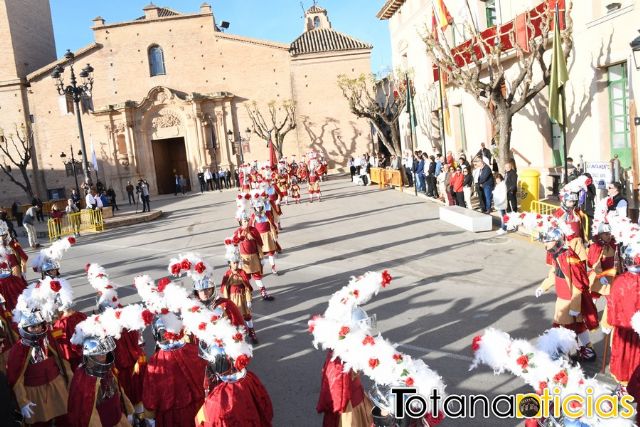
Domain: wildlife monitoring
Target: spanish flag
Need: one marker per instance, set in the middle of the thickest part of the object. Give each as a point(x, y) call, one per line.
point(442, 14)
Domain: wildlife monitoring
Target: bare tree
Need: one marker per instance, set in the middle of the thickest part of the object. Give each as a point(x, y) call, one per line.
point(381, 101)
point(428, 121)
point(17, 147)
point(269, 125)
point(483, 74)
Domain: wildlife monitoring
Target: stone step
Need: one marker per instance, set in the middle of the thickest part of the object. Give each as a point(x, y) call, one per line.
point(466, 219)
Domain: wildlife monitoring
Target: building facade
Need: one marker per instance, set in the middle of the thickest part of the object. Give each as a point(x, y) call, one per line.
point(599, 108)
point(169, 96)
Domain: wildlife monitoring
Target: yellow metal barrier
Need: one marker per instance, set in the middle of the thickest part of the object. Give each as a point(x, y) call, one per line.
point(75, 223)
point(543, 208)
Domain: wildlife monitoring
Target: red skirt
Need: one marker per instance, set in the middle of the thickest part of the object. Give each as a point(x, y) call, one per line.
point(625, 354)
point(11, 288)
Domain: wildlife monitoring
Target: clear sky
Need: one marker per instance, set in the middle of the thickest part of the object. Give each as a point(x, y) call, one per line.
point(277, 20)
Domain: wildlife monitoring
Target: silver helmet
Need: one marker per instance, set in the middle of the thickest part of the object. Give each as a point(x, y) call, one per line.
point(383, 411)
point(161, 335)
point(569, 200)
point(205, 283)
point(553, 234)
point(92, 347)
point(29, 320)
point(50, 267)
point(603, 228)
point(363, 320)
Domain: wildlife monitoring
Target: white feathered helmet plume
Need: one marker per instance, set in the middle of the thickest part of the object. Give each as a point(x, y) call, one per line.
point(341, 330)
point(199, 270)
point(232, 252)
point(48, 296)
point(106, 290)
point(49, 258)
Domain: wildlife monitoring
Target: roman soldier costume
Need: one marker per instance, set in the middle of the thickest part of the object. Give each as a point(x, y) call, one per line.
point(622, 303)
point(172, 391)
point(96, 398)
point(12, 284)
point(575, 309)
point(8, 336)
point(573, 217)
point(36, 371)
point(282, 186)
point(268, 233)
point(236, 287)
point(237, 396)
point(250, 245)
point(295, 190)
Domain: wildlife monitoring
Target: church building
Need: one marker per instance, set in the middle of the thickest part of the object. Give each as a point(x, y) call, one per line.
point(170, 94)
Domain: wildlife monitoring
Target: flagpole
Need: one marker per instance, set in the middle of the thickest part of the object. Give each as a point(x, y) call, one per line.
point(413, 131)
point(442, 131)
point(564, 133)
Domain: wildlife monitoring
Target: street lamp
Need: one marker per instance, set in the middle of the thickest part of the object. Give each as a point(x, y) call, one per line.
point(77, 91)
point(635, 48)
point(73, 162)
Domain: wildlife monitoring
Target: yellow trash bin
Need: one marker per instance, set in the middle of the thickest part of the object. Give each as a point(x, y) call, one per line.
point(530, 184)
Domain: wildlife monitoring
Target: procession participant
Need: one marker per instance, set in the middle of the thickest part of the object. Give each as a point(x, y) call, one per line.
point(574, 308)
point(314, 185)
point(282, 186)
point(243, 205)
point(570, 214)
point(36, 372)
point(96, 398)
point(65, 325)
point(236, 287)
point(204, 287)
point(274, 197)
point(250, 245)
point(295, 190)
point(8, 241)
point(268, 234)
point(237, 397)
point(603, 264)
point(12, 284)
point(130, 358)
point(8, 334)
point(47, 262)
point(172, 391)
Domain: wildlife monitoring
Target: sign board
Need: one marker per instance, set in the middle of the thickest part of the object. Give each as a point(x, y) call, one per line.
point(600, 172)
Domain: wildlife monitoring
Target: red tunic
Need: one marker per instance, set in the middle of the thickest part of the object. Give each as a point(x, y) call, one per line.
point(246, 246)
point(573, 220)
point(11, 287)
point(622, 304)
point(173, 386)
point(337, 389)
point(82, 400)
point(63, 330)
point(243, 403)
point(130, 365)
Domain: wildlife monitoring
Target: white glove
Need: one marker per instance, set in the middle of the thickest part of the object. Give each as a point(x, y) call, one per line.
point(574, 313)
point(249, 305)
point(606, 331)
point(604, 281)
point(130, 418)
point(26, 410)
point(151, 422)
point(539, 292)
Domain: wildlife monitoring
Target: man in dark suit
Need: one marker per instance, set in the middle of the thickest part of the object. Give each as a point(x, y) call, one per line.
point(487, 183)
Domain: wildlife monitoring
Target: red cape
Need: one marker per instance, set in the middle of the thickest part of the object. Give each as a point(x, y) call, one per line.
point(240, 273)
point(174, 379)
point(82, 398)
point(247, 246)
point(18, 358)
point(232, 310)
point(575, 270)
point(244, 403)
point(127, 354)
point(11, 287)
point(624, 300)
point(338, 387)
point(63, 330)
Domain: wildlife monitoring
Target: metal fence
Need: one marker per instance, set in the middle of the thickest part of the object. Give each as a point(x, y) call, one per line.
point(543, 208)
point(87, 220)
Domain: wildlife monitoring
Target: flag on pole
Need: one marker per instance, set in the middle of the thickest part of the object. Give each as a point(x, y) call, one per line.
point(559, 74)
point(442, 14)
point(411, 111)
point(446, 119)
point(94, 159)
point(273, 157)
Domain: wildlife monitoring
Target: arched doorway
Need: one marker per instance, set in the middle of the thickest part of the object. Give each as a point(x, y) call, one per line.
point(170, 159)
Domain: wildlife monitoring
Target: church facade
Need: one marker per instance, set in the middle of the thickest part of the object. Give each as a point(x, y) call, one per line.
point(169, 97)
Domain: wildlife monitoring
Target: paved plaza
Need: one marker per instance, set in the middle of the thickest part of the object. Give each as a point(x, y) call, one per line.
point(448, 284)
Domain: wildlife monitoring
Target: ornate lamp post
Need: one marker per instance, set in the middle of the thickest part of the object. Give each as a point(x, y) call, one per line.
point(239, 143)
point(77, 90)
point(73, 162)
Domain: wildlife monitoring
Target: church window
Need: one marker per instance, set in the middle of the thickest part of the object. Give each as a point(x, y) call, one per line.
point(316, 22)
point(156, 61)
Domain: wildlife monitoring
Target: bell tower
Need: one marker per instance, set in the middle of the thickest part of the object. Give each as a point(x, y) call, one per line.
point(316, 18)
